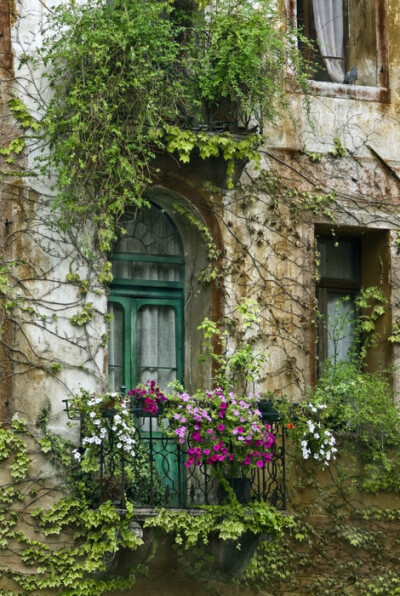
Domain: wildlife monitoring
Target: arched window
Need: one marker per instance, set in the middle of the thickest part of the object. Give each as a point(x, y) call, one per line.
point(146, 301)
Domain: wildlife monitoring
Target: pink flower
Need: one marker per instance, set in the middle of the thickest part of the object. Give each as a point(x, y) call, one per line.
point(220, 427)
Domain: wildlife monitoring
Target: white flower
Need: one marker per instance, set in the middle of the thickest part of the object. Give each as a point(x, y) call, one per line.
point(76, 454)
point(316, 436)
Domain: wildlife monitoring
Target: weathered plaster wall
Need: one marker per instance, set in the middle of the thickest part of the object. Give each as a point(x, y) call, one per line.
point(277, 266)
point(43, 338)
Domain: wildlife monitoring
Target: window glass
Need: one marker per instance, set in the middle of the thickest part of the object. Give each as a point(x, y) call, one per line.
point(338, 259)
point(343, 34)
point(340, 313)
point(115, 346)
point(156, 344)
point(146, 332)
point(151, 232)
point(338, 286)
point(136, 270)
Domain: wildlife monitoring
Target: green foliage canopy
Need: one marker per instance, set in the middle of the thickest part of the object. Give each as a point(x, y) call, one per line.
point(130, 79)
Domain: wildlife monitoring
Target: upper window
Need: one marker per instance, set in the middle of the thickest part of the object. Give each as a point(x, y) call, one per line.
point(348, 41)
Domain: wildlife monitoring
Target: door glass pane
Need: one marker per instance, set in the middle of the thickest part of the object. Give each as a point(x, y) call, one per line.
point(156, 344)
point(340, 326)
point(115, 346)
point(147, 271)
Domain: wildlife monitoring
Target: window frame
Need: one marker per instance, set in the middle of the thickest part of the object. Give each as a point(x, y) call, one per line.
point(131, 304)
point(380, 92)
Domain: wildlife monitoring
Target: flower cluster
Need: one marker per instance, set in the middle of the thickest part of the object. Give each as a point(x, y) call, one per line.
point(317, 442)
point(220, 429)
point(107, 424)
point(148, 396)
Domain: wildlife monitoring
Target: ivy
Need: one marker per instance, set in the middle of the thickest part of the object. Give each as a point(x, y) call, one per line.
point(228, 522)
point(82, 318)
point(339, 149)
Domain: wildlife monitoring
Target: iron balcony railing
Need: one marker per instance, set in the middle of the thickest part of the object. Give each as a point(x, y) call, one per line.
point(157, 475)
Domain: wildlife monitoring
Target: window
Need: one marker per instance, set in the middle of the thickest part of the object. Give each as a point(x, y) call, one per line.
point(348, 262)
point(146, 301)
point(338, 286)
point(345, 34)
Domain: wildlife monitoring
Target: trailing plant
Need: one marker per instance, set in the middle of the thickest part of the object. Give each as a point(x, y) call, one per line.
point(236, 364)
point(136, 84)
point(334, 517)
point(228, 522)
point(75, 563)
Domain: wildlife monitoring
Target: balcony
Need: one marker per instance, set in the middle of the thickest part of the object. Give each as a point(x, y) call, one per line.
point(158, 477)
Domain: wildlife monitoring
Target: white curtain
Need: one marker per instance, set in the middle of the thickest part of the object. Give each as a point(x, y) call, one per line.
point(156, 341)
point(328, 16)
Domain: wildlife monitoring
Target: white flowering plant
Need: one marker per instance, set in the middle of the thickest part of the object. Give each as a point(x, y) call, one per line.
point(311, 430)
point(107, 431)
point(317, 441)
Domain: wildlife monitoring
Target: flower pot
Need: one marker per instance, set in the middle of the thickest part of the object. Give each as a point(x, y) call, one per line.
point(241, 488)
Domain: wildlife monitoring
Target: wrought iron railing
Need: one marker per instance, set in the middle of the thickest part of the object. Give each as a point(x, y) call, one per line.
point(157, 475)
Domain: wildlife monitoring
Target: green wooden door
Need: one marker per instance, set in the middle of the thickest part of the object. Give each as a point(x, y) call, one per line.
point(147, 331)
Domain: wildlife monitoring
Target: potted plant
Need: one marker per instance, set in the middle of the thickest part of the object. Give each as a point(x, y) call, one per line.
point(146, 398)
point(222, 431)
